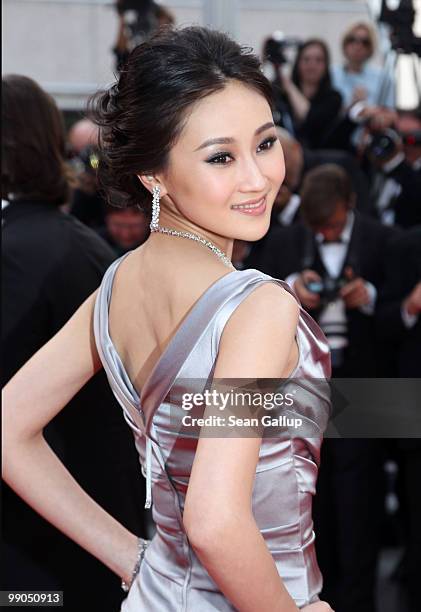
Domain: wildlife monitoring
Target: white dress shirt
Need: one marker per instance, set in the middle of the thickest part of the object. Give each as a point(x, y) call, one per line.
point(333, 316)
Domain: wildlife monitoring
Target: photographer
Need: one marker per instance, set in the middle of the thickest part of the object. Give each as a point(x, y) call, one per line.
point(308, 104)
point(334, 260)
point(125, 228)
point(137, 19)
point(395, 155)
point(342, 252)
point(87, 203)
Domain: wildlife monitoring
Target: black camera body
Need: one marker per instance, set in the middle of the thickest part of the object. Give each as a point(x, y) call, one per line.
point(140, 6)
point(275, 47)
point(328, 288)
point(140, 19)
point(383, 145)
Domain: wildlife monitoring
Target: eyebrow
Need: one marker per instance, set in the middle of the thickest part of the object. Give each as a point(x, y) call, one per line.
point(228, 140)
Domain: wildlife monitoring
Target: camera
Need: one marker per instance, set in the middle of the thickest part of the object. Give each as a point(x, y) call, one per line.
point(89, 160)
point(401, 21)
point(140, 6)
point(275, 47)
point(383, 145)
point(140, 19)
point(328, 288)
point(84, 167)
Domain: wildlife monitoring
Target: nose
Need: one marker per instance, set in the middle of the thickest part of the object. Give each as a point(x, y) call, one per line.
point(251, 177)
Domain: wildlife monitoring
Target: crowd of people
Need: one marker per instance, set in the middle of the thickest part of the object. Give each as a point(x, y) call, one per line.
point(345, 234)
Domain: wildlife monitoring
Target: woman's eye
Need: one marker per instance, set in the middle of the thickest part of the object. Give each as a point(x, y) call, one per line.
point(219, 159)
point(268, 143)
point(223, 159)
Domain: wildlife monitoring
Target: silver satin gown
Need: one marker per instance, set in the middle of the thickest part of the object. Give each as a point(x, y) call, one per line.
point(171, 577)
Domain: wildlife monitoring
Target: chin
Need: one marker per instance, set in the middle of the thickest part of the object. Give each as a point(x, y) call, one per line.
point(254, 232)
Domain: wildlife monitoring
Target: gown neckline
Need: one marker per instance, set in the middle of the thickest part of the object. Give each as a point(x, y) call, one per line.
point(154, 372)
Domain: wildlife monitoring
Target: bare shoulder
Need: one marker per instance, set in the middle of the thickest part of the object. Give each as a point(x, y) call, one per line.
point(268, 304)
point(258, 337)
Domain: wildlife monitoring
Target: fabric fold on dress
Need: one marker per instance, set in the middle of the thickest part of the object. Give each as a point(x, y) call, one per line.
point(171, 577)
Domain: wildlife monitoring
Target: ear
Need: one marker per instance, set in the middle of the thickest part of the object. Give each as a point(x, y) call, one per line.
point(149, 181)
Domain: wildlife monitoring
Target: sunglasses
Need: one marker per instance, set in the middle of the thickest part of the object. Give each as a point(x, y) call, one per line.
point(358, 39)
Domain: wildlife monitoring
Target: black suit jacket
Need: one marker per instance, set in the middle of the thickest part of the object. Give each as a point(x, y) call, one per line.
point(286, 251)
point(51, 263)
point(408, 204)
point(403, 272)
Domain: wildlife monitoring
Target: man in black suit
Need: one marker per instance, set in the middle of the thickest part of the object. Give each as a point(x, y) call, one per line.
point(399, 320)
point(334, 260)
point(334, 241)
point(396, 187)
point(51, 264)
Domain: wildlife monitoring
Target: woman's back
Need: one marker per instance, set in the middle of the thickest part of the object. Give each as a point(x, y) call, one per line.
point(151, 301)
point(287, 466)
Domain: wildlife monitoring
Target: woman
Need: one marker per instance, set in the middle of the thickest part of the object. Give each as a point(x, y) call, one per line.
point(313, 104)
point(190, 122)
point(356, 79)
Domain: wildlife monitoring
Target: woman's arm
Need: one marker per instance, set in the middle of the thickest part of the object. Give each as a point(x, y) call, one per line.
point(37, 392)
point(256, 343)
point(299, 103)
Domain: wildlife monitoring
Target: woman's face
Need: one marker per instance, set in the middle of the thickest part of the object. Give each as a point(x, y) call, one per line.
point(228, 154)
point(358, 47)
point(312, 65)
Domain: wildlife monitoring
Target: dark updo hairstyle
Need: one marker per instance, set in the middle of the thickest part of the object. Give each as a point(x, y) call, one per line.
point(143, 113)
point(33, 143)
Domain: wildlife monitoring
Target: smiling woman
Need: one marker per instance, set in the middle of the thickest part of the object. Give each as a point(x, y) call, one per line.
point(189, 126)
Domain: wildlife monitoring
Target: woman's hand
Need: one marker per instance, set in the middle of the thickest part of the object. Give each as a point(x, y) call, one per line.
point(29, 466)
point(284, 74)
point(319, 606)
point(299, 103)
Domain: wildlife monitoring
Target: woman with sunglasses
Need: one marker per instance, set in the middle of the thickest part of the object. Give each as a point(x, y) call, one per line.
point(358, 80)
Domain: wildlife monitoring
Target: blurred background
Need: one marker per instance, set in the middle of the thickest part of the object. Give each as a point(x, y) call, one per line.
point(66, 45)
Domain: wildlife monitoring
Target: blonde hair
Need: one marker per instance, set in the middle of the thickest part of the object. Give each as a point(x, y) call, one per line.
point(371, 34)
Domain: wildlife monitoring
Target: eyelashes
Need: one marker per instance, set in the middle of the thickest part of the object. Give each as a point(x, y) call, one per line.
point(219, 158)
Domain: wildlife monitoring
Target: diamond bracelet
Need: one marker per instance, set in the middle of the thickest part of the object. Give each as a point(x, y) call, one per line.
point(142, 546)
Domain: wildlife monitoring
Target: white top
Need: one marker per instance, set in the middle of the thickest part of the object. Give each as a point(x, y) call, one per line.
point(378, 84)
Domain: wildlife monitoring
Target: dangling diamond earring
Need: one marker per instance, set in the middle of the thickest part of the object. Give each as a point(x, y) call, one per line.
point(155, 227)
point(155, 208)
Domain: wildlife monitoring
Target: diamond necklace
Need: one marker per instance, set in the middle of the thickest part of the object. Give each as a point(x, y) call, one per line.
point(206, 243)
